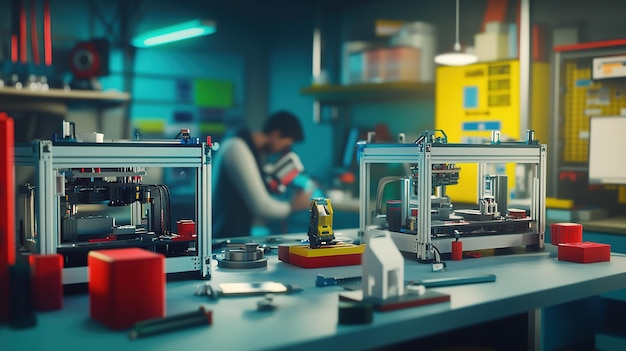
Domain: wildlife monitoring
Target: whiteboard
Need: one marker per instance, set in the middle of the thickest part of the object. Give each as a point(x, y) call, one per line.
point(607, 150)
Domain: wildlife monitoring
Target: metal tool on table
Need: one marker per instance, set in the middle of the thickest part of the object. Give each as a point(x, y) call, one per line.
point(322, 281)
point(245, 289)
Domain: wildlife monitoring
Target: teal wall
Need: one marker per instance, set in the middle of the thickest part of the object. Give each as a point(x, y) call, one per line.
point(290, 67)
point(265, 49)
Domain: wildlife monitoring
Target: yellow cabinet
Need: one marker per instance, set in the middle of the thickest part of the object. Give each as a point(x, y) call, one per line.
point(472, 101)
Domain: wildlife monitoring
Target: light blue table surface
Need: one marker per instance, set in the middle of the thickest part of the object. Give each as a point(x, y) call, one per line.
point(308, 320)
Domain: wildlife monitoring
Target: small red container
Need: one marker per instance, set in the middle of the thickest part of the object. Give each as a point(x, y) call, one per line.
point(457, 250)
point(186, 228)
point(561, 233)
point(46, 281)
point(586, 252)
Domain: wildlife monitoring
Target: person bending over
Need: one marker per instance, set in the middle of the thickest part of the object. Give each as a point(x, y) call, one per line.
point(240, 194)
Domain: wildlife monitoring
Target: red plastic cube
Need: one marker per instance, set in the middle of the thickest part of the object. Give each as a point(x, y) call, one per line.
point(586, 252)
point(566, 233)
point(126, 286)
point(46, 281)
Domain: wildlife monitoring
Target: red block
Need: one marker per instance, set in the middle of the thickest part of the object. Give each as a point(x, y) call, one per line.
point(566, 233)
point(324, 261)
point(186, 228)
point(7, 211)
point(126, 286)
point(586, 252)
point(46, 281)
point(326, 256)
point(283, 253)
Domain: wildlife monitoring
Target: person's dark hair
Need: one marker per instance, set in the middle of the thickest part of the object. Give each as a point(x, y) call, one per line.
point(286, 123)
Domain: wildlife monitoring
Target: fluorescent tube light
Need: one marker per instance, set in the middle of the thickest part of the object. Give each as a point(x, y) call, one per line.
point(177, 32)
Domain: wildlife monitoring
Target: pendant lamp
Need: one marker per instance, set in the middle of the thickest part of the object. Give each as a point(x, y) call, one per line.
point(456, 57)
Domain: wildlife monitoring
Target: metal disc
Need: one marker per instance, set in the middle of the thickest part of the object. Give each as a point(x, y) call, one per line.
point(241, 255)
point(223, 263)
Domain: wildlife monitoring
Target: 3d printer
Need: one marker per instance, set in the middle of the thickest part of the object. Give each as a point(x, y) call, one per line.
point(116, 187)
point(93, 196)
point(424, 221)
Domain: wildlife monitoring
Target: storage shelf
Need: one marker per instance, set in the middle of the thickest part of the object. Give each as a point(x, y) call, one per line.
point(371, 91)
point(56, 100)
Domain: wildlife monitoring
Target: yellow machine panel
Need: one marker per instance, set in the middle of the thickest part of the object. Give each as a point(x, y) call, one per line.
point(472, 101)
point(584, 98)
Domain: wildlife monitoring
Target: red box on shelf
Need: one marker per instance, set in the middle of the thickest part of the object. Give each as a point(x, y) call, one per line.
point(46, 281)
point(561, 233)
point(585, 252)
point(126, 286)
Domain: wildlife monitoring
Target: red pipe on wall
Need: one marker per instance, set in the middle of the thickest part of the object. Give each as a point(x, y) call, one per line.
point(47, 38)
point(23, 52)
point(34, 40)
point(14, 50)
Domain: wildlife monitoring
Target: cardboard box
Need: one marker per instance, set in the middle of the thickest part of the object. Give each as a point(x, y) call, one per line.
point(385, 65)
point(376, 65)
point(403, 64)
point(491, 46)
point(496, 27)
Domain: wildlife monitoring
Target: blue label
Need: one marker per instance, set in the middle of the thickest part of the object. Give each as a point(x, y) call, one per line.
point(470, 97)
point(480, 126)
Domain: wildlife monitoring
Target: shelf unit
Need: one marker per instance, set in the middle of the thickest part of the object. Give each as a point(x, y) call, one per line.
point(56, 101)
point(368, 91)
point(42, 110)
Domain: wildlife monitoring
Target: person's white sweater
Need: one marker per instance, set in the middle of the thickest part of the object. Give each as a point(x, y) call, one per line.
point(240, 165)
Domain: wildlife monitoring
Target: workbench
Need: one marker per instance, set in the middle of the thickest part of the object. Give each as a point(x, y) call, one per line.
point(527, 284)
